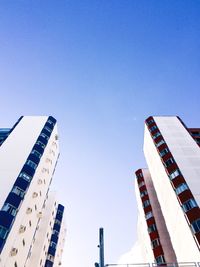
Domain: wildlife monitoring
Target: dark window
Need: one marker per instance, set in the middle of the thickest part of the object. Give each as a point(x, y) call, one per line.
point(150, 122)
point(164, 152)
point(155, 243)
point(53, 244)
point(41, 144)
point(181, 188)
point(196, 133)
point(156, 135)
point(153, 128)
point(31, 164)
point(152, 228)
point(25, 176)
point(18, 191)
point(143, 193)
point(36, 153)
point(57, 222)
point(189, 204)
point(146, 203)
point(174, 174)
point(50, 122)
point(196, 226)
point(23, 241)
point(44, 136)
point(169, 162)
point(55, 232)
point(48, 129)
point(3, 232)
point(160, 259)
point(160, 143)
point(148, 215)
point(10, 209)
point(141, 184)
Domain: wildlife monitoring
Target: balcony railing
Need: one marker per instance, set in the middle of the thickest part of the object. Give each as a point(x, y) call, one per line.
point(178, 264)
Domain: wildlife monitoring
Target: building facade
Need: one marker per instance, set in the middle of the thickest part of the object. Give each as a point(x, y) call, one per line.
point(32, 229)
point(168, 192)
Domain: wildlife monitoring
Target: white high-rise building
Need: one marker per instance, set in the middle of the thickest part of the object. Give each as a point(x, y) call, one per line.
point(32, 230)
point(168, 192)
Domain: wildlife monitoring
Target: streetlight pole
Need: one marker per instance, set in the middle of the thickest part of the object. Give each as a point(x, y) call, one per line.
point(101, 249)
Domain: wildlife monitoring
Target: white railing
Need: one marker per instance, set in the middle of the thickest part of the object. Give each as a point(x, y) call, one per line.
point(177, 264)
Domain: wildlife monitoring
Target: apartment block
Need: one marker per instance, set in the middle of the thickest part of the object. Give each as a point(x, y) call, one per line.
point(169, 191)
point(32, 230)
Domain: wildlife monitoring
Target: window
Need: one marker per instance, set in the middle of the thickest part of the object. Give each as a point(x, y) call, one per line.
point(44, 136)
point(174, 174)
point(189, 204)
point(31, 164)
point(50, 122)
point(50, 257)
point(3, 232)
point(59, 212)
point(153, 128)
point(15, 265)
point(155, 243)
point(57, 221)
point(148, 215)
point(10, 209)
point(143, 193)
point(30, 223)
point(169, 162)
point(146, 203)
point(196, 133)
point(55, 232)
point(150, 122)
point(196, 226)
point(53, 244)
point(152, 228)
point(156, 135)
point(160, 259)
point(141, 184)
point(160, 143)
point(23, 241)
point(181, 188)
point(18, 191)
point(25, 176)
point(41, 144)
point(48, 129)
point(36, 153)
point(164, 152)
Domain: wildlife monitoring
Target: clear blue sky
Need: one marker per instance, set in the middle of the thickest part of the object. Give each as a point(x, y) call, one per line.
point(100, 67)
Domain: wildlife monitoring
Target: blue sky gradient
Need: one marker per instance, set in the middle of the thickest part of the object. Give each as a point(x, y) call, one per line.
point(100, 68)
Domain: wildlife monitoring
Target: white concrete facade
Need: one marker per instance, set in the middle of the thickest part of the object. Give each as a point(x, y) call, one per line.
point(36, 213)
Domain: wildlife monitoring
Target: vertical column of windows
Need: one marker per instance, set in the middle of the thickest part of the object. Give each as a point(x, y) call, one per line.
point(150, 220)
point(54, 236)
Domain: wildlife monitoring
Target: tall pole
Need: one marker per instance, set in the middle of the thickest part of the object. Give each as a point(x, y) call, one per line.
point(101, 248)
